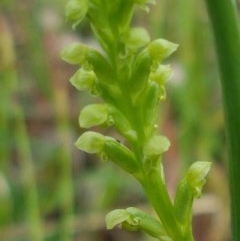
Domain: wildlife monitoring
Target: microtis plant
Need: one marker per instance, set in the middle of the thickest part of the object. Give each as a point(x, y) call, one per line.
point(129, 76)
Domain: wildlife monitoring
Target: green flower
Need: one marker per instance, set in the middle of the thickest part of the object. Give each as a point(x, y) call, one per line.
point(83, 79)
point(75, 53)
point(196, 176)
point(160, 49)
point(134, 219)
point(137, 38)
point(91, 142)
point(156, 145)
point(162, 74)
point(93, 115)
point(75, 11)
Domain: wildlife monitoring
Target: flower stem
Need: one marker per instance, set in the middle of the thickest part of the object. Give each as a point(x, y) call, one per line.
point(159, 198)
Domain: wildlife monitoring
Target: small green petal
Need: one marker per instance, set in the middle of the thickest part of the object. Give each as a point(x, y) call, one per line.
point(83, 79)
point(156, 146)
point(75, 53)
point(93, 115)
point(197, 173)
point(160, 49)
point(116, 217)
point(162, 74)
point(137, 37)
point(90, 142)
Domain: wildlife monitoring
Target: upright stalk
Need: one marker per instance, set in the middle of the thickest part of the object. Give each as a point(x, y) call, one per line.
point(225, 23)
point(130, 78)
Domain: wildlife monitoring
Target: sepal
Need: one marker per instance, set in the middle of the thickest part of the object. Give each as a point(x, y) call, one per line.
point(161, 75)
point(156, 145)
point(196, 176)
point(75, 53)
point(160, 49)
point(84, 79)
point(137, 38)
point(91, 142)
point(94, 115)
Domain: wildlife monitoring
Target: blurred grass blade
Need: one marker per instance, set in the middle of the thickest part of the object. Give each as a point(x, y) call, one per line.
point(225, 23)
point(27, 173)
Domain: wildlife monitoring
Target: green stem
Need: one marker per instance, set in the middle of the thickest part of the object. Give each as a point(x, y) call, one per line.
point(157, 194)
point(223, 15)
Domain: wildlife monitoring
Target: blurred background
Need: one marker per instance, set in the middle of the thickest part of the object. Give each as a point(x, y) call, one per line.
point(50, 191)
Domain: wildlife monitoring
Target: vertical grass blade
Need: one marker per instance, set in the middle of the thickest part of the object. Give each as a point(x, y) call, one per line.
point(61, 106)
point(10, 85)
point(225, 23)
